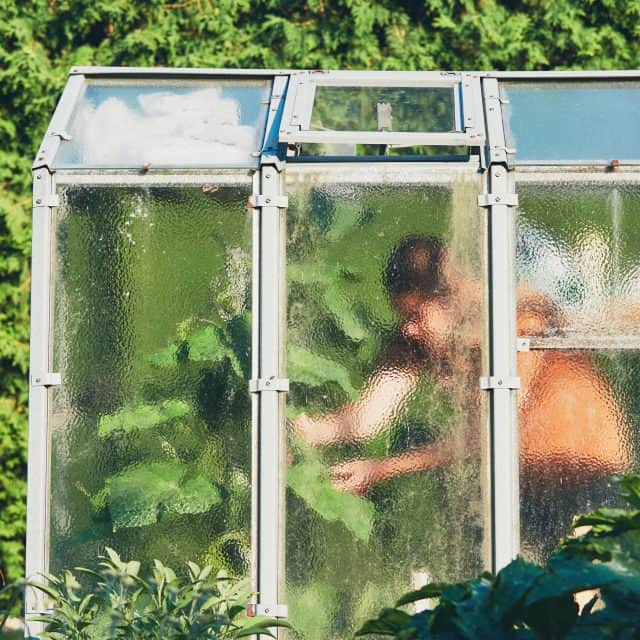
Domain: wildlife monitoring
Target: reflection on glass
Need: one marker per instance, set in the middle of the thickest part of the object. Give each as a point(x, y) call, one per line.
point(423, 109)
point(564, 121)
point(386, 437)
point(579, 302)
point(151, 428)
point(214, 123)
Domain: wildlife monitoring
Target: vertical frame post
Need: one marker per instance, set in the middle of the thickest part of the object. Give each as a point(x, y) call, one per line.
point(269, 385)
point(503, 382)
point(44, 200)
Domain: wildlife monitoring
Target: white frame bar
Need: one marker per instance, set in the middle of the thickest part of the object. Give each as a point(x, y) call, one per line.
point(505, 447)
point(39, 363)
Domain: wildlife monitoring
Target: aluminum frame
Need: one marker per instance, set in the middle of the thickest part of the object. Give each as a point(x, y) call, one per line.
point(296, 117)
point(502, 337)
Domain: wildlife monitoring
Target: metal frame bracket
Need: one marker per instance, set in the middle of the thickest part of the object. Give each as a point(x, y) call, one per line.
point(524, 344)
point(260, 201)
point(273, 610)
point(269, 384)
point(500, 382)
point(52, 200)
point(46, 380)
point(492, 199)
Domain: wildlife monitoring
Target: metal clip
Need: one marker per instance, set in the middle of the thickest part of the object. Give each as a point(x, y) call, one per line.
point(63, 135)
point(491, 199)
point(52, 200)
point(259, 201)
point(269, 384)
point(273, 610)
point(500, 382)
point(46, 380)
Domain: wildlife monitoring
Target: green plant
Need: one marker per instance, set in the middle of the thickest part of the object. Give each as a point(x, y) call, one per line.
point(121, 604)
point(530, 602)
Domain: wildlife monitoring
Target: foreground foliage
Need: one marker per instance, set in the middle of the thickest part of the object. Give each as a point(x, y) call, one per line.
point(529, 602)
point(121, 604)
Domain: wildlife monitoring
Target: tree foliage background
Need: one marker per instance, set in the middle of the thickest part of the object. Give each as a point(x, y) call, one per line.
point(40, 40)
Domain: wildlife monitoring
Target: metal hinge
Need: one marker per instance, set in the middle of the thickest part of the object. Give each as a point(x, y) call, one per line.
point(269, 384)
point(259, 201)
point(500, 382)
point(52, 200)
point(46, 380)
point(491, 199)
point(272, 610)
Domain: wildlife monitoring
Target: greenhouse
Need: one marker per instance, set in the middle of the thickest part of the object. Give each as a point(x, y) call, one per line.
point(338, 332)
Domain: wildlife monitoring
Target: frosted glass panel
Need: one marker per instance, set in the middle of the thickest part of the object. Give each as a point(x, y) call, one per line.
point(214, 123)
point(386, 439)
point(424, 109)
point(565, 121)
point(151, 428)
point(579, 303)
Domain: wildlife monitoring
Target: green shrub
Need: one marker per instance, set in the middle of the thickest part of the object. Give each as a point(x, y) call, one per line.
point(529, 602)
point(120, 604)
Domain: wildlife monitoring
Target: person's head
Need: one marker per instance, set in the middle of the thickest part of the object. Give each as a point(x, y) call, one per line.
point(419, 289)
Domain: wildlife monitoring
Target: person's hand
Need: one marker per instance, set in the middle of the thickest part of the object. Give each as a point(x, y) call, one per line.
point(357, 476)
point(316, 432)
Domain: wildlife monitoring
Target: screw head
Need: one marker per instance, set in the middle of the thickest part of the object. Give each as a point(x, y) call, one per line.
point(499, 383)
point(38, 201)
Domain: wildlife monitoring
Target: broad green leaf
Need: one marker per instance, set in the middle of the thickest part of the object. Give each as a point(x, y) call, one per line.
point(312, 482)
point(140, 495)
point(144, 416)
point(340, 305)
point(309, 368)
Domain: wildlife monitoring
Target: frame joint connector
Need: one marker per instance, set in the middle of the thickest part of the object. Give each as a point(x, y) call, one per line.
point(500, 382)
point(51, 201)
point(46, 380)
point(269, 384)
point(492, 199)
point(260, 201)
point(271, 610)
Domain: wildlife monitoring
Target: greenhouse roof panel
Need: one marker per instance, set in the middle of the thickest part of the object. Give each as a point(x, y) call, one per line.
point(166, 123)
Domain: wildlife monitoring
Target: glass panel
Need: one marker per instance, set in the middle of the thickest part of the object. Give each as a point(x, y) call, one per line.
point(424, 109)
point(384, 152)
point(565, 121)
point(579, 301)
point(151, 429)
point(172, 123)
point(386, 429)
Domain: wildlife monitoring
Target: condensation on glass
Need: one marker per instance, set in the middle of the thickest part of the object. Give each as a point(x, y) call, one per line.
point(151, 430)
point(375, 108)
point(386, 422)
point(169, 123)
point(579, 303)
point(572, 121)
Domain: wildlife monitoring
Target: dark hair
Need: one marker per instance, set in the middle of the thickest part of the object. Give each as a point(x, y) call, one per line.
point(416, 266)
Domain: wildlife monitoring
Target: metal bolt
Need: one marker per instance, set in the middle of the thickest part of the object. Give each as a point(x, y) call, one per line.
point(38, 177)
point(497, 198)
point(268, 176)
point(38, 380)
point(268, 383)
point(499, 383)
point(268, 200)
point(38, 201)
point(267, 610)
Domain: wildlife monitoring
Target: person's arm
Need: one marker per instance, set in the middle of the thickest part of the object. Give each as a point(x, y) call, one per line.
point(358, 476)
point(383, 396)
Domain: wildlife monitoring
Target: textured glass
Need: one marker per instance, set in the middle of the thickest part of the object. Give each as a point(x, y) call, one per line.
point(133, 124)
point(424, 109)
point(386, 440)
point(578, 262)
point(151, 428)
point(565, 121)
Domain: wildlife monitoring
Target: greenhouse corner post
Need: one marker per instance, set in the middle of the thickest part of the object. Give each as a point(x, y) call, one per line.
point(503, 382)
point(44, 200)
point(270, 385)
